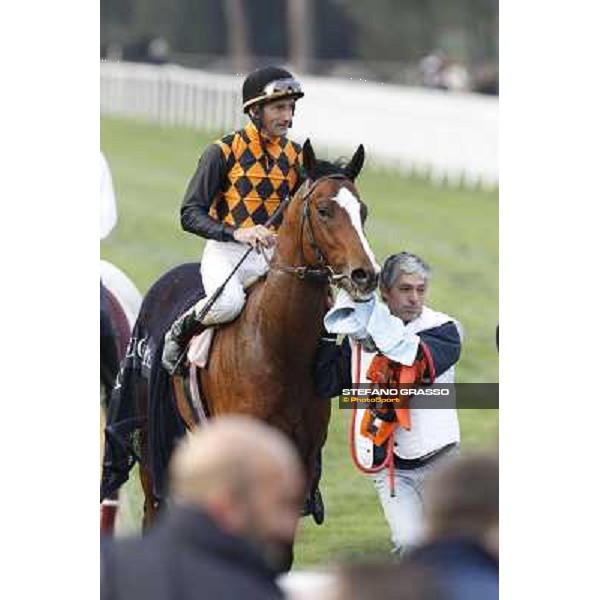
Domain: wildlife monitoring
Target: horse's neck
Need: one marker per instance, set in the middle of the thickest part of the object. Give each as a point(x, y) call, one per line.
point(292, 299)
point(291, 309)
point(291, 314)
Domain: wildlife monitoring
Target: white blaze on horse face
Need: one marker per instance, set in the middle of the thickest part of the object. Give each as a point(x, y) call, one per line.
point(349, 202)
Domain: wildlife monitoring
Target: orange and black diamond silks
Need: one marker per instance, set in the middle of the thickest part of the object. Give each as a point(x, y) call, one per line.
point(260, 175)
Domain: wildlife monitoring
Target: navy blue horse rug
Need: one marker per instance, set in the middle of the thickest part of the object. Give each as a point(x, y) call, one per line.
point(136, 417)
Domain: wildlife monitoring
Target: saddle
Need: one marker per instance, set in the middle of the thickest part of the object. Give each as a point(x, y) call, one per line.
point(199, 347)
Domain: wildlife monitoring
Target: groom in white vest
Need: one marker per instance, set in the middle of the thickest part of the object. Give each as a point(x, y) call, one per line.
point(402, 328)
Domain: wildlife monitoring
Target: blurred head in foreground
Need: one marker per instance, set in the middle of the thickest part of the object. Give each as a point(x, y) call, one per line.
point(246, 476)
point(388, 581)
point(461, 501)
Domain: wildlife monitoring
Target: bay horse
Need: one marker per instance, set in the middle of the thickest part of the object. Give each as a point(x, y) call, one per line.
point(261, 364)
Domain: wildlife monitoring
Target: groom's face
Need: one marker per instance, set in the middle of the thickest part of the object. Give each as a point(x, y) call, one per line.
point(406, 297)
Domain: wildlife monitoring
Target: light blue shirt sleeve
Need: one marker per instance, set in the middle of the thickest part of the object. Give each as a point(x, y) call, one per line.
point(372, 319)
point(348, 317)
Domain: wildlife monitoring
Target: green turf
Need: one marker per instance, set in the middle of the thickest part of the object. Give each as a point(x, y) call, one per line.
point(455, 230)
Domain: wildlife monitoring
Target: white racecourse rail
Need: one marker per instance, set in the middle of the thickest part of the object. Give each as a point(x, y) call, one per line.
point(445, 136)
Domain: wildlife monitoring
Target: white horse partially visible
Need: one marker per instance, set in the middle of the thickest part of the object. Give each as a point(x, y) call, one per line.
point(123, 289)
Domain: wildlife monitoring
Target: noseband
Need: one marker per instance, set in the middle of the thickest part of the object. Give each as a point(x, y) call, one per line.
point(324, 272)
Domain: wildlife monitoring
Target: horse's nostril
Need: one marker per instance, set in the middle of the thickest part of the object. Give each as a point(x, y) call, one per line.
point(364, 279)
point(359, 276)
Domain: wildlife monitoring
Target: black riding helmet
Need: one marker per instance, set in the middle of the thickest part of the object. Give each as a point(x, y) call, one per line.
point(267, 84)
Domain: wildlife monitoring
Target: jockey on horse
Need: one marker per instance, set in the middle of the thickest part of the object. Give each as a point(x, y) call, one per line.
point(239, 183)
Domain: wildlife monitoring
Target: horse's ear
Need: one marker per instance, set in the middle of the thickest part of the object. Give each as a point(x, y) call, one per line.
point(353, 168)
point(309, 160)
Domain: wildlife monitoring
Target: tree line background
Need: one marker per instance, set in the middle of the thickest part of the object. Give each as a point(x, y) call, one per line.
point(380, 39)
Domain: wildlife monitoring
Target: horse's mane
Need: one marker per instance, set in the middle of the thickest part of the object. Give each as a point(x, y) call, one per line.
point(325, 167)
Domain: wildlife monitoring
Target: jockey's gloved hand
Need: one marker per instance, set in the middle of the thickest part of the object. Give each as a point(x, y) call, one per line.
point(256, 236)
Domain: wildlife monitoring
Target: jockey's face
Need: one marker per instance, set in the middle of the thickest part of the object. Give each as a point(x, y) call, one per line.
point(277, 117)
point(406, 296)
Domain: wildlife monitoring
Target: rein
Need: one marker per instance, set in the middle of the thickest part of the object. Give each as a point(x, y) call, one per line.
point(323, 273)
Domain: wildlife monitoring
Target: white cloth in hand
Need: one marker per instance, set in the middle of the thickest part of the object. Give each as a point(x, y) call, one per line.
point(372, 319)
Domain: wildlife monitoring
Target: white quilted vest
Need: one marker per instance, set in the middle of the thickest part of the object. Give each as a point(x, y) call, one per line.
point(431, 429)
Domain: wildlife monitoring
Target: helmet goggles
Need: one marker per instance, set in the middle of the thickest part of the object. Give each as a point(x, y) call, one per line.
point(279, 88)
point(283, 86)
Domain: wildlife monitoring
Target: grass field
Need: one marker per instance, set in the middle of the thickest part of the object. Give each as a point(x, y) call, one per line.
point(455, 230)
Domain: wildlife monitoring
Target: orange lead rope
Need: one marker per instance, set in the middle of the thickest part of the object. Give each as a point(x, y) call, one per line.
point(389, 455)
point(374, 426)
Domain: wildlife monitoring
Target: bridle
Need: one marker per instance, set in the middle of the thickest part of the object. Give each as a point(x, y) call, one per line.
point(324, 272)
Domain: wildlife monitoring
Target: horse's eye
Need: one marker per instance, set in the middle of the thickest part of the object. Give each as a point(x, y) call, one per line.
point(324, 210)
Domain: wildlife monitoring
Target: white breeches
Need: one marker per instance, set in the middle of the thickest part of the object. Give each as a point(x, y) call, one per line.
point(218, 261)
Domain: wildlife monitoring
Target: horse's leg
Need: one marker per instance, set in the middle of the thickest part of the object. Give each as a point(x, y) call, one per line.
point(315, 498)
point(313, 503)
point(151, 503)
point(108, 514)
point(311, 452)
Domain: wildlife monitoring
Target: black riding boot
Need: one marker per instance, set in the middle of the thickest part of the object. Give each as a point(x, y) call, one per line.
point(176, 339)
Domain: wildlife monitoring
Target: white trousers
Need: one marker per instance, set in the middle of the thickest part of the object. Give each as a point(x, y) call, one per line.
point(218, 261)
point(404, 511)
